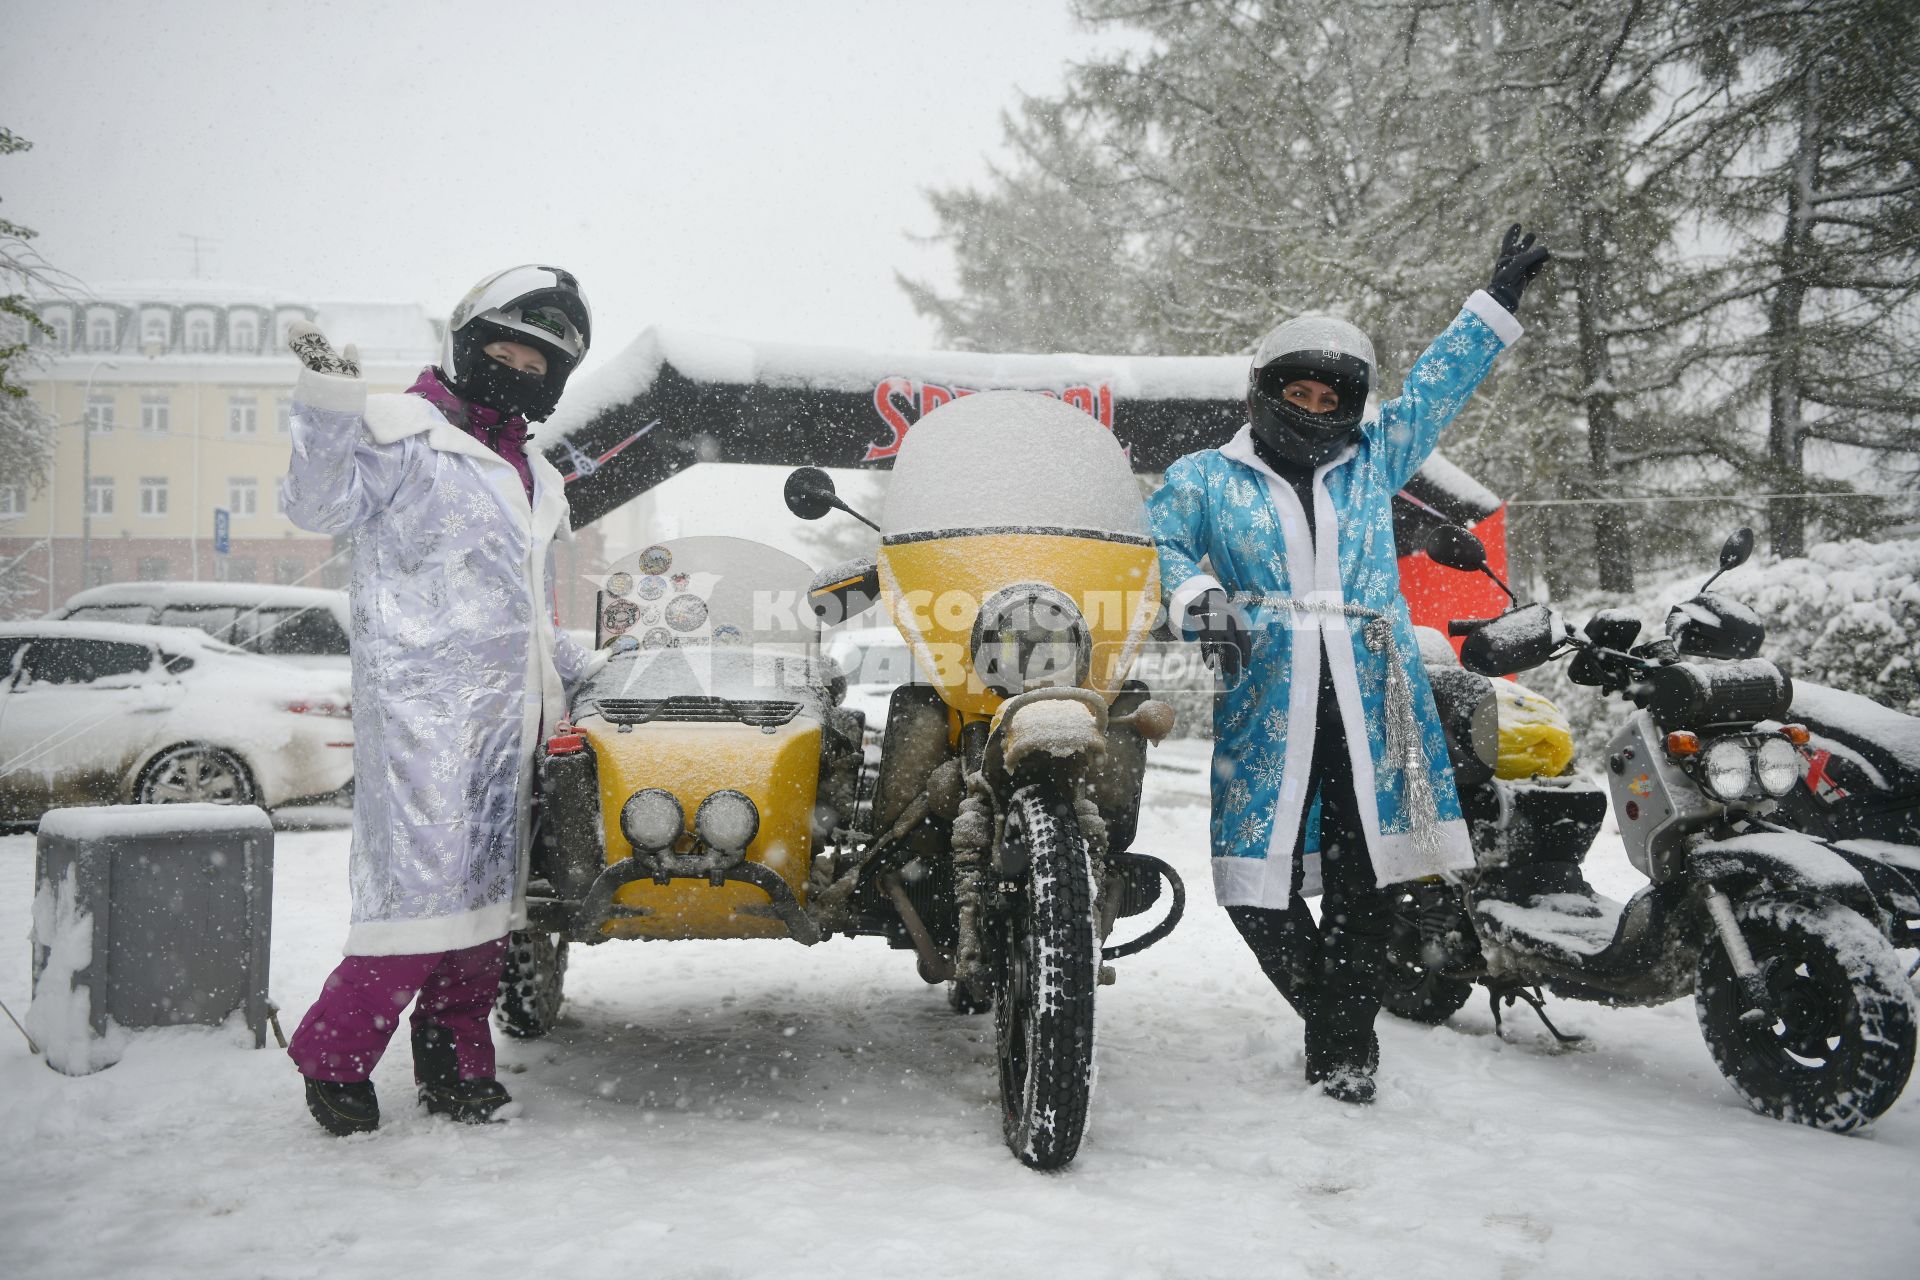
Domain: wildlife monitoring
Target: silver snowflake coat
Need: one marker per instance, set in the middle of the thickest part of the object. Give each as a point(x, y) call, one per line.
point(458, 670)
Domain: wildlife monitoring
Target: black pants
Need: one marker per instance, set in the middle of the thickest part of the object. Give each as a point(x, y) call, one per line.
point(1330, 972)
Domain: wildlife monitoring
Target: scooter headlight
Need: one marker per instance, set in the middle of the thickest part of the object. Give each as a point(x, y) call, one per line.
point(1778, 766)
point(652, 819)
point(1727, 769)
point(1030, 637)
point(727, 820)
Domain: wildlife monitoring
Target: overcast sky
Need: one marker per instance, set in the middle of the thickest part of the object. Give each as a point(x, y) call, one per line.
point(751, 169)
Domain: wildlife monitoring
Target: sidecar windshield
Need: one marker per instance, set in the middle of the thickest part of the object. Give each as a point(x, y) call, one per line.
point(1012, 461)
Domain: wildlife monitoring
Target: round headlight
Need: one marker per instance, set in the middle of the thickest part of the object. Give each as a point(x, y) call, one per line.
point(652, 819)
point(727, 820)
point(1778, 765)
point(1727, 768)
point(1029, 637)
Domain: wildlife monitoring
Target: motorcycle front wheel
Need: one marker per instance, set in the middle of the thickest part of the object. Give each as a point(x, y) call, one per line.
point(1049, 968)
point(1837, 1044)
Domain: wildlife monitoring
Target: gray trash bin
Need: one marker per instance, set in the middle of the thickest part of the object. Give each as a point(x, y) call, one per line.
point(147, 916)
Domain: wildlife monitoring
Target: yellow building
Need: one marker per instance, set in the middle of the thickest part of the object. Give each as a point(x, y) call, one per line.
point(171, 400)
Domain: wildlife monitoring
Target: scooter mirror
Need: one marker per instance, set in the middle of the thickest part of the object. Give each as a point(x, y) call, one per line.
point(1736, 549)
point(810, 493)
point(1456, 548)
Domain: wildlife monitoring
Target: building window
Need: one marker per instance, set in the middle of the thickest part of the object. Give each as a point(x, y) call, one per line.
point(283, 414)
point(243, 497)
point(100, 496)
point(243, 417)
point(279, 501)
point(13, 500)
point(154, 568)
point(243, 333)
point(153, 330)
point(153, 495)
point(62, 332)
point(100, 333)
point(200, 333)
point(288, 572)
point(99, 572)
point(154, 412)
point(99, 414)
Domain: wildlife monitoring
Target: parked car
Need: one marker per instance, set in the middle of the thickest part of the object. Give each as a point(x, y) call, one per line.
point(114, 713)
point(307, 626)
point(875, 660)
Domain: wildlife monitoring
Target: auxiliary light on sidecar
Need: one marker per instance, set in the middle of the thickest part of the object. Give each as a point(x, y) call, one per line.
point(727, 820)
point(1778, 766)
point(652, 819)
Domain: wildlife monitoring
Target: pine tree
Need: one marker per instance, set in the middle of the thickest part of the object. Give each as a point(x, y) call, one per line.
point(26, 429)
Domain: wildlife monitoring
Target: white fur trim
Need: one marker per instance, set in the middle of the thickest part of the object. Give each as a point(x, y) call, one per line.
point(332, 392)
point(1183, 597)
point(423, 937)
point(1397, 857)
point(392, 418)
point(1496, 317)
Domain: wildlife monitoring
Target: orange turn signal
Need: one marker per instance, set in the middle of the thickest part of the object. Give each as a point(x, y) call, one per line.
point(1797, 734)
point(1683, 743)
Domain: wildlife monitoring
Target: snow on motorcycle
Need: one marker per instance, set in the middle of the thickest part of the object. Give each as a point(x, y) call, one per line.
point(1778, 935)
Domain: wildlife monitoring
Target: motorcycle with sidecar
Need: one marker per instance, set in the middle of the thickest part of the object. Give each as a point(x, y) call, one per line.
point(1785, 940)
point(994, 838)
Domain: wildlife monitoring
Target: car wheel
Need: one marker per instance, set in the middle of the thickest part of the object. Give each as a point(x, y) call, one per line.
point(195, 773)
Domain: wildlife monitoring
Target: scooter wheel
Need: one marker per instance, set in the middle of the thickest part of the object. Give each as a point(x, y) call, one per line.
point(1839, 1044)
point(1421, 995)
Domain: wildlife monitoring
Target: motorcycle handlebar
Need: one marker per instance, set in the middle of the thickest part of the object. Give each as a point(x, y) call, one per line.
point(1466, 626)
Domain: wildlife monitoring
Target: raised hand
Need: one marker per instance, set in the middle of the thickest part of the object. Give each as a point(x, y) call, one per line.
point(315, 352)
point(1519, 262)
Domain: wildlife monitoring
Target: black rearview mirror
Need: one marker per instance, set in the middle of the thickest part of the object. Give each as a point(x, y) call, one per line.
point(810, 493)
point(1456, 548)
point(1733, 553)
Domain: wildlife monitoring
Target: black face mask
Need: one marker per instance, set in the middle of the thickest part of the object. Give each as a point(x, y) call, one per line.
point(506, 390)
point(1290, 432)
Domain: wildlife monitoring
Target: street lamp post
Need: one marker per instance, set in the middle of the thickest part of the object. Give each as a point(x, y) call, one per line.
point(86, 472)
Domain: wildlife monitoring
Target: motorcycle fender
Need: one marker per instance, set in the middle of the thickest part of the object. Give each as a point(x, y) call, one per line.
point(1057, 727)
point(1790, 863)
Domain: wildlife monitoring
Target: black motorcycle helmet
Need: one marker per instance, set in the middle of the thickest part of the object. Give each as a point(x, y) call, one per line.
point(1317, 348)
point(541, 307)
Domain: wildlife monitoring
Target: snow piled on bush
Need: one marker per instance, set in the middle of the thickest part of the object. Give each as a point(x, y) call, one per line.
point(1847, 614)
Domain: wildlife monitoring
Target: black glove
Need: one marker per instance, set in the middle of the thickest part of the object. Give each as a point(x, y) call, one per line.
point(1514, 270)
point(1226, 641)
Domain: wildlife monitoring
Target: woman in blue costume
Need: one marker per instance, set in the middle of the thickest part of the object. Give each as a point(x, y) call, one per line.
point(1329, 722)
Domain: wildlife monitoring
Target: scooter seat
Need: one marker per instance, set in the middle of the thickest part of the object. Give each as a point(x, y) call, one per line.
point(1549, 910)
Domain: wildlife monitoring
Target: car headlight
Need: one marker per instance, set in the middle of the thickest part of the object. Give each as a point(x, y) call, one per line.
point(652, 819)
point(727, 820)
point(1778, 766)
point(1030, 637)
point(1727, 769)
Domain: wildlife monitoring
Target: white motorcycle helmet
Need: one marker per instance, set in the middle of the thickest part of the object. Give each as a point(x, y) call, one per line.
point(1317, 348)
point(539, 306)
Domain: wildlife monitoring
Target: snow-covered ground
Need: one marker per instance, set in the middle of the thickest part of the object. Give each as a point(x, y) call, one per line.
point(759, 1109)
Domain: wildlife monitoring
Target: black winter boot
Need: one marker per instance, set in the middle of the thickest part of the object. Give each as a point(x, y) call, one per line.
point(436, 1067)
point(343, 1107)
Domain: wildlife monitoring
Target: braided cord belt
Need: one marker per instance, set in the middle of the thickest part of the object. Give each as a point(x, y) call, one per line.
point(1404, 753)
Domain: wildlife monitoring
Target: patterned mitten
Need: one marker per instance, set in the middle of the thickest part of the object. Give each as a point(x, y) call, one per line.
point(315, 352)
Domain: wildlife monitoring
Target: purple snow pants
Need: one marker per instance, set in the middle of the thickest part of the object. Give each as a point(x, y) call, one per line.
point(348, 1027)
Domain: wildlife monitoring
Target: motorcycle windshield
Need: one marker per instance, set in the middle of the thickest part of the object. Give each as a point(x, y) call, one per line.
point(1012, 462)
point(707, 617)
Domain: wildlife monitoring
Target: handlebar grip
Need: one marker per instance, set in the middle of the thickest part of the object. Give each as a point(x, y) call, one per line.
point(1466, 626)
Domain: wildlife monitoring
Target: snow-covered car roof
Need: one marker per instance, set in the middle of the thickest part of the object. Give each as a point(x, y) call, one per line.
point(247, 594)
point(178, 639)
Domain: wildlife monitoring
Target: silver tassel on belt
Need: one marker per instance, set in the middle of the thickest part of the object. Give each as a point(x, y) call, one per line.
point(1404, 752)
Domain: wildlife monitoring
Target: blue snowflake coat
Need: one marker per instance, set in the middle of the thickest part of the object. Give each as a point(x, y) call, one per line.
point(1227, 506)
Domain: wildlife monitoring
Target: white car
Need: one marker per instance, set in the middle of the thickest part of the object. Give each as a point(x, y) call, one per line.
point(307, 626)
point(876, 660)
point(109, 713)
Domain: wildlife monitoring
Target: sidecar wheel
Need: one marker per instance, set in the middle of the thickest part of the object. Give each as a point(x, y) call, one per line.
point(1839, 1049)
point(531, 985)
point(1420, 995)
point(1043, 1000)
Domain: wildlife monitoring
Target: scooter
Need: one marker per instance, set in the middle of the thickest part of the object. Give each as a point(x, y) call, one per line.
point(1781, 939)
